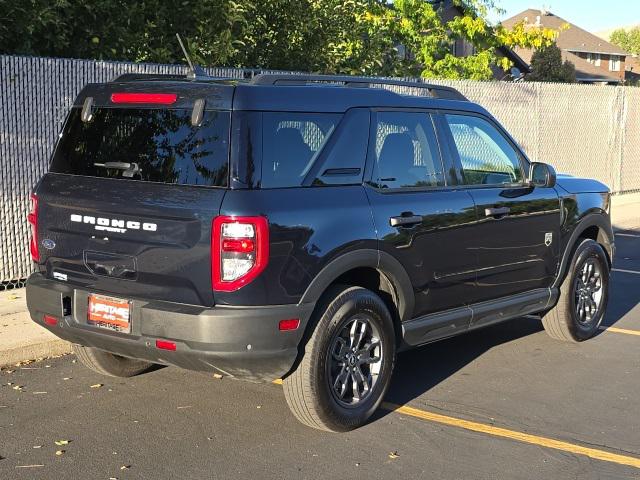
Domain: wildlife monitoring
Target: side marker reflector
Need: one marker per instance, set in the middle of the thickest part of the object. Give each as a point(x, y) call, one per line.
point(165, 345)
point(290, 324)
point(50, 320)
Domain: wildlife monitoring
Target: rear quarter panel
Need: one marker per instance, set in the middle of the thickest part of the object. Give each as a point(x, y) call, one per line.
point(308, 227)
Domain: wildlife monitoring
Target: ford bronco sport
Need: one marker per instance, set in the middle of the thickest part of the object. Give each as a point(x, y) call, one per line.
point(298, 227)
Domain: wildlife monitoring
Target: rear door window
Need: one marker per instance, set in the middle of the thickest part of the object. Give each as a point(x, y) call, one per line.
point(291, 143)
point(155, 145)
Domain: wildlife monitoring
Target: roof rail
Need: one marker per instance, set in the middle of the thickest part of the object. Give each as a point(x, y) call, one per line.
point(436, 91)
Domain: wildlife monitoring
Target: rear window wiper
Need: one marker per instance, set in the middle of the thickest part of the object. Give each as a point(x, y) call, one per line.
point(130, 169)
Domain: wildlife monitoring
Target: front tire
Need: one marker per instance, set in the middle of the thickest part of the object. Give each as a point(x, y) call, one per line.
point(108, 364)
point(347, 363)
point(584, 294)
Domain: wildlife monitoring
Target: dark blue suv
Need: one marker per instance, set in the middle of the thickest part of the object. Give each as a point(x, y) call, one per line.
point(302, 227)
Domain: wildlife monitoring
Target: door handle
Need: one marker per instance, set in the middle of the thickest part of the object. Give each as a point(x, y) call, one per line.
point(496, 212)
point(404, 220)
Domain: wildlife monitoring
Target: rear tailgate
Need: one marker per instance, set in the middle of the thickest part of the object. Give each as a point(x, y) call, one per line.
point(128, 205)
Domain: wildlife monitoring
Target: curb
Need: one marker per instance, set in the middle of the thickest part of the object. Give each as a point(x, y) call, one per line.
point(48, 348)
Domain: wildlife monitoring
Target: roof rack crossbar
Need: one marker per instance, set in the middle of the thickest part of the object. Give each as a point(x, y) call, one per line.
point(436, 91)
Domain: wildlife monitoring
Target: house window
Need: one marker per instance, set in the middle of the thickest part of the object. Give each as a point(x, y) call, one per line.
point(590, 57)
point(597, 60)
point(614, 63)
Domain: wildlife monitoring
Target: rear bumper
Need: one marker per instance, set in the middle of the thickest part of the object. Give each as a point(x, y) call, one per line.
point(237, 341)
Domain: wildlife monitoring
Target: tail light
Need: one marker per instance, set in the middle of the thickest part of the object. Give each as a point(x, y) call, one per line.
point(33, 221)
point(239, 251)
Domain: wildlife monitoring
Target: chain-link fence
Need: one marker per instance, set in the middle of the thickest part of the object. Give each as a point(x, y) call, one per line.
point(584, 130)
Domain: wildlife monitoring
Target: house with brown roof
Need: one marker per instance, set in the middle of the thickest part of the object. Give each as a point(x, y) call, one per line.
point(595, 59)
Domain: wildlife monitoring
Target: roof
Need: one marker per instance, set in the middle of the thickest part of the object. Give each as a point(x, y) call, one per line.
point(574, 38)
point(585, 71)
point(240, 95)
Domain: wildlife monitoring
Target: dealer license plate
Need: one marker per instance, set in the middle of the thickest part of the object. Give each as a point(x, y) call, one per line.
point(110, 313)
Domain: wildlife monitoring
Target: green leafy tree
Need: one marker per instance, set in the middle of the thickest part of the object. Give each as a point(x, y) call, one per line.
point(122, 30)
point(547, 66)
point(628, 40)
point(374, 37)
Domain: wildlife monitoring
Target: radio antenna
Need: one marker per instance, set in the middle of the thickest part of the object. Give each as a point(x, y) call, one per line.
point(192, 69)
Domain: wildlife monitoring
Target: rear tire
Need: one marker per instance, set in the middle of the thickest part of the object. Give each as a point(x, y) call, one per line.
point(106, 363)
point(584, 294)
point(347, 363)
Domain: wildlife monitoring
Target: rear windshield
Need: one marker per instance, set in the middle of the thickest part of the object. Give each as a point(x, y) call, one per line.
point(155, 145)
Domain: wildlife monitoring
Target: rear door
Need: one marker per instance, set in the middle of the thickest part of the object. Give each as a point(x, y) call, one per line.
point(421, 219)
point(517, 234)
point(127, 206)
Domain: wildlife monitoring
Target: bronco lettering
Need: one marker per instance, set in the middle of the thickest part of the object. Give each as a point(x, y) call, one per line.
point(113, 224)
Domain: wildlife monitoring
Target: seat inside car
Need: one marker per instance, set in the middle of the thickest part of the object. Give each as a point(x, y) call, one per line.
point(396, 160)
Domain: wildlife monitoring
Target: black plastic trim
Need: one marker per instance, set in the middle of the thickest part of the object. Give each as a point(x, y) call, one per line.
point(440, 325)
point(600, 220)
point(243, 342)
point(381, 261)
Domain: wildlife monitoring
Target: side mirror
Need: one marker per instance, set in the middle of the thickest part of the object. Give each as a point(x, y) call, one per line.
point(542, 175)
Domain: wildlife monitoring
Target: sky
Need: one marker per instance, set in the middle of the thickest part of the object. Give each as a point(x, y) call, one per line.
point(592, 15)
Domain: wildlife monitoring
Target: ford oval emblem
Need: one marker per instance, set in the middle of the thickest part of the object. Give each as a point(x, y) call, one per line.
point(48, 244)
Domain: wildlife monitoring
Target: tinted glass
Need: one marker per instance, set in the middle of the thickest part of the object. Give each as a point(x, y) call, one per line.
point(487, 157)
point(291, 143)
point(156, 145)
point(406, 151)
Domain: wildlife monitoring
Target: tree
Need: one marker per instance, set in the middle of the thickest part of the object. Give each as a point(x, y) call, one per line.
point(547, 66)
point(628, 40)
point(122, 30)
point(325, 36)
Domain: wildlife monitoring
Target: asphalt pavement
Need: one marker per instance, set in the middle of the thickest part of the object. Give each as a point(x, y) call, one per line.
point(506, 402)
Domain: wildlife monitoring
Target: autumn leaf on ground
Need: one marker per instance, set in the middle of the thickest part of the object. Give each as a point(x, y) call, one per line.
point(60, 452)
point(393, 455)
point(62, 442)
point(217, 376)
point(97, 385)
point(125, 467)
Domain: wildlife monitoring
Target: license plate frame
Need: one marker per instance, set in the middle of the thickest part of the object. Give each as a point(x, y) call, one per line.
point(109, 313)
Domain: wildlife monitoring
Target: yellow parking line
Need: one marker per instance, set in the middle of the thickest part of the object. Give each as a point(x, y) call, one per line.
point(514, 435)
point(511, 434)
point(621, 330)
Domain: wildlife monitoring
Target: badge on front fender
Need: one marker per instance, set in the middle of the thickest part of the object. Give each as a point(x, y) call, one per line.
point(548, 238)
